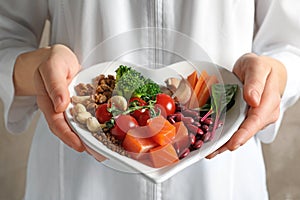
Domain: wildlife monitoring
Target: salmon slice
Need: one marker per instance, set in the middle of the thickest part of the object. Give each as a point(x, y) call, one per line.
point(162, 131)
point(162, 156)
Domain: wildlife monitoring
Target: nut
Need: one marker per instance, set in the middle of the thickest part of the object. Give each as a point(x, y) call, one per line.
point(78, 108)
point(91, 107)
point(119, 102)
point(80, 99)
point(84, 89)
point(83, 116)
point(100, 98)
point(92, 124)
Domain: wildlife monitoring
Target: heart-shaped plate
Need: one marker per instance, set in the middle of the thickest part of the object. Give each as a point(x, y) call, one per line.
point(234, 117)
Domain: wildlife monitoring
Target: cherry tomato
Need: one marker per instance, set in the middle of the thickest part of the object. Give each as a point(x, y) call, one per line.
point(165, 103)
point(143, 117)
point(102, 113)
point(160, 109)
point(122, 125)
point(138, 102)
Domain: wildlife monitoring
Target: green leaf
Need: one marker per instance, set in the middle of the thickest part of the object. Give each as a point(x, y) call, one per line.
point(222, 95)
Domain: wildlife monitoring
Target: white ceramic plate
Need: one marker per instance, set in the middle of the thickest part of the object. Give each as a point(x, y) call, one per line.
point(233, 118)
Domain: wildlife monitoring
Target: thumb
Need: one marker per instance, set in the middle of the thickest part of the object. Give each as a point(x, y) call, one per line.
point(56, 74)
point(60, 97)
point(253, 73)
point(55, 86)
point(254, 84)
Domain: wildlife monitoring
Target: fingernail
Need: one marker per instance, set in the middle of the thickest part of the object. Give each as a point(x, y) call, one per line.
point(256, 97)
point(57, 101)
point(223, 149)
point(213, 154)
point(236, 147)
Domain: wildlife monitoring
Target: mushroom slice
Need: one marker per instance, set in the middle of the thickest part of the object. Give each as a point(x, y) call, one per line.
point(183, 92)
point(172, 83)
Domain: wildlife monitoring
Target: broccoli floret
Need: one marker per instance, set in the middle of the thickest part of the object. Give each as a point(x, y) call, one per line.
point(130, 82)
point(147, 91)
point(122, 69)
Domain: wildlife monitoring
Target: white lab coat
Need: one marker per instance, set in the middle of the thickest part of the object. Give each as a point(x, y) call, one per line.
point(224, 29)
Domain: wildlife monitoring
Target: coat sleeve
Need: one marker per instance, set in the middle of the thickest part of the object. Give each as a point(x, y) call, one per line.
point(277, 36)
point(21, 26)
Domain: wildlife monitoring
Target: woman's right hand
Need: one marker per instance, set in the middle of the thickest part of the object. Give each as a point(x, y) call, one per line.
point(46, 74)
point(51, 80)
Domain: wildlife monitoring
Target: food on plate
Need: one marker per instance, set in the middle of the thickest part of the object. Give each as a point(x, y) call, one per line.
point(193, 79)
point(154, 124)
point(161, 130)
point(182, 139)
point(102, 114)
point(122, 124)
point(163, 155)
point(131, 83)
point(137, 141)
point(183, 92)
point(197, 90)
point(204, 93)
point(165, 104)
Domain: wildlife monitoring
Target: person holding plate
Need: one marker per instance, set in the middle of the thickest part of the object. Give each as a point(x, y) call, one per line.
point(35, 78)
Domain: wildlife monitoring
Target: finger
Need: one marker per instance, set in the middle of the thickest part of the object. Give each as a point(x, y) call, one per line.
point(255, 80)
point(58, 125)
point(56, 85)
point(248, 128)
point(253, 72)
point(218, 151)
point(61, 129)
point(257, 118)
point(96, 155)
point(57, 72)
point(55, 120)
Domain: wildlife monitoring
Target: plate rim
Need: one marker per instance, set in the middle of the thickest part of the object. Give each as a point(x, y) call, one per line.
point(156, 175)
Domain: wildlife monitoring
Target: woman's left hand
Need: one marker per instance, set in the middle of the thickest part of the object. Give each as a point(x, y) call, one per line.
point(264, 80)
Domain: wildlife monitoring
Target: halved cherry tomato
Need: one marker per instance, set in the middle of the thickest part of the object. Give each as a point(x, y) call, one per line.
point(122, 125)
point(143, 117)
point(166, 104)
point(102, 113)
point(135, 101)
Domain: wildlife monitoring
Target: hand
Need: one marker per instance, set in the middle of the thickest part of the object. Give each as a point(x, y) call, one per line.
point(264, 80)
point(51, 80)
